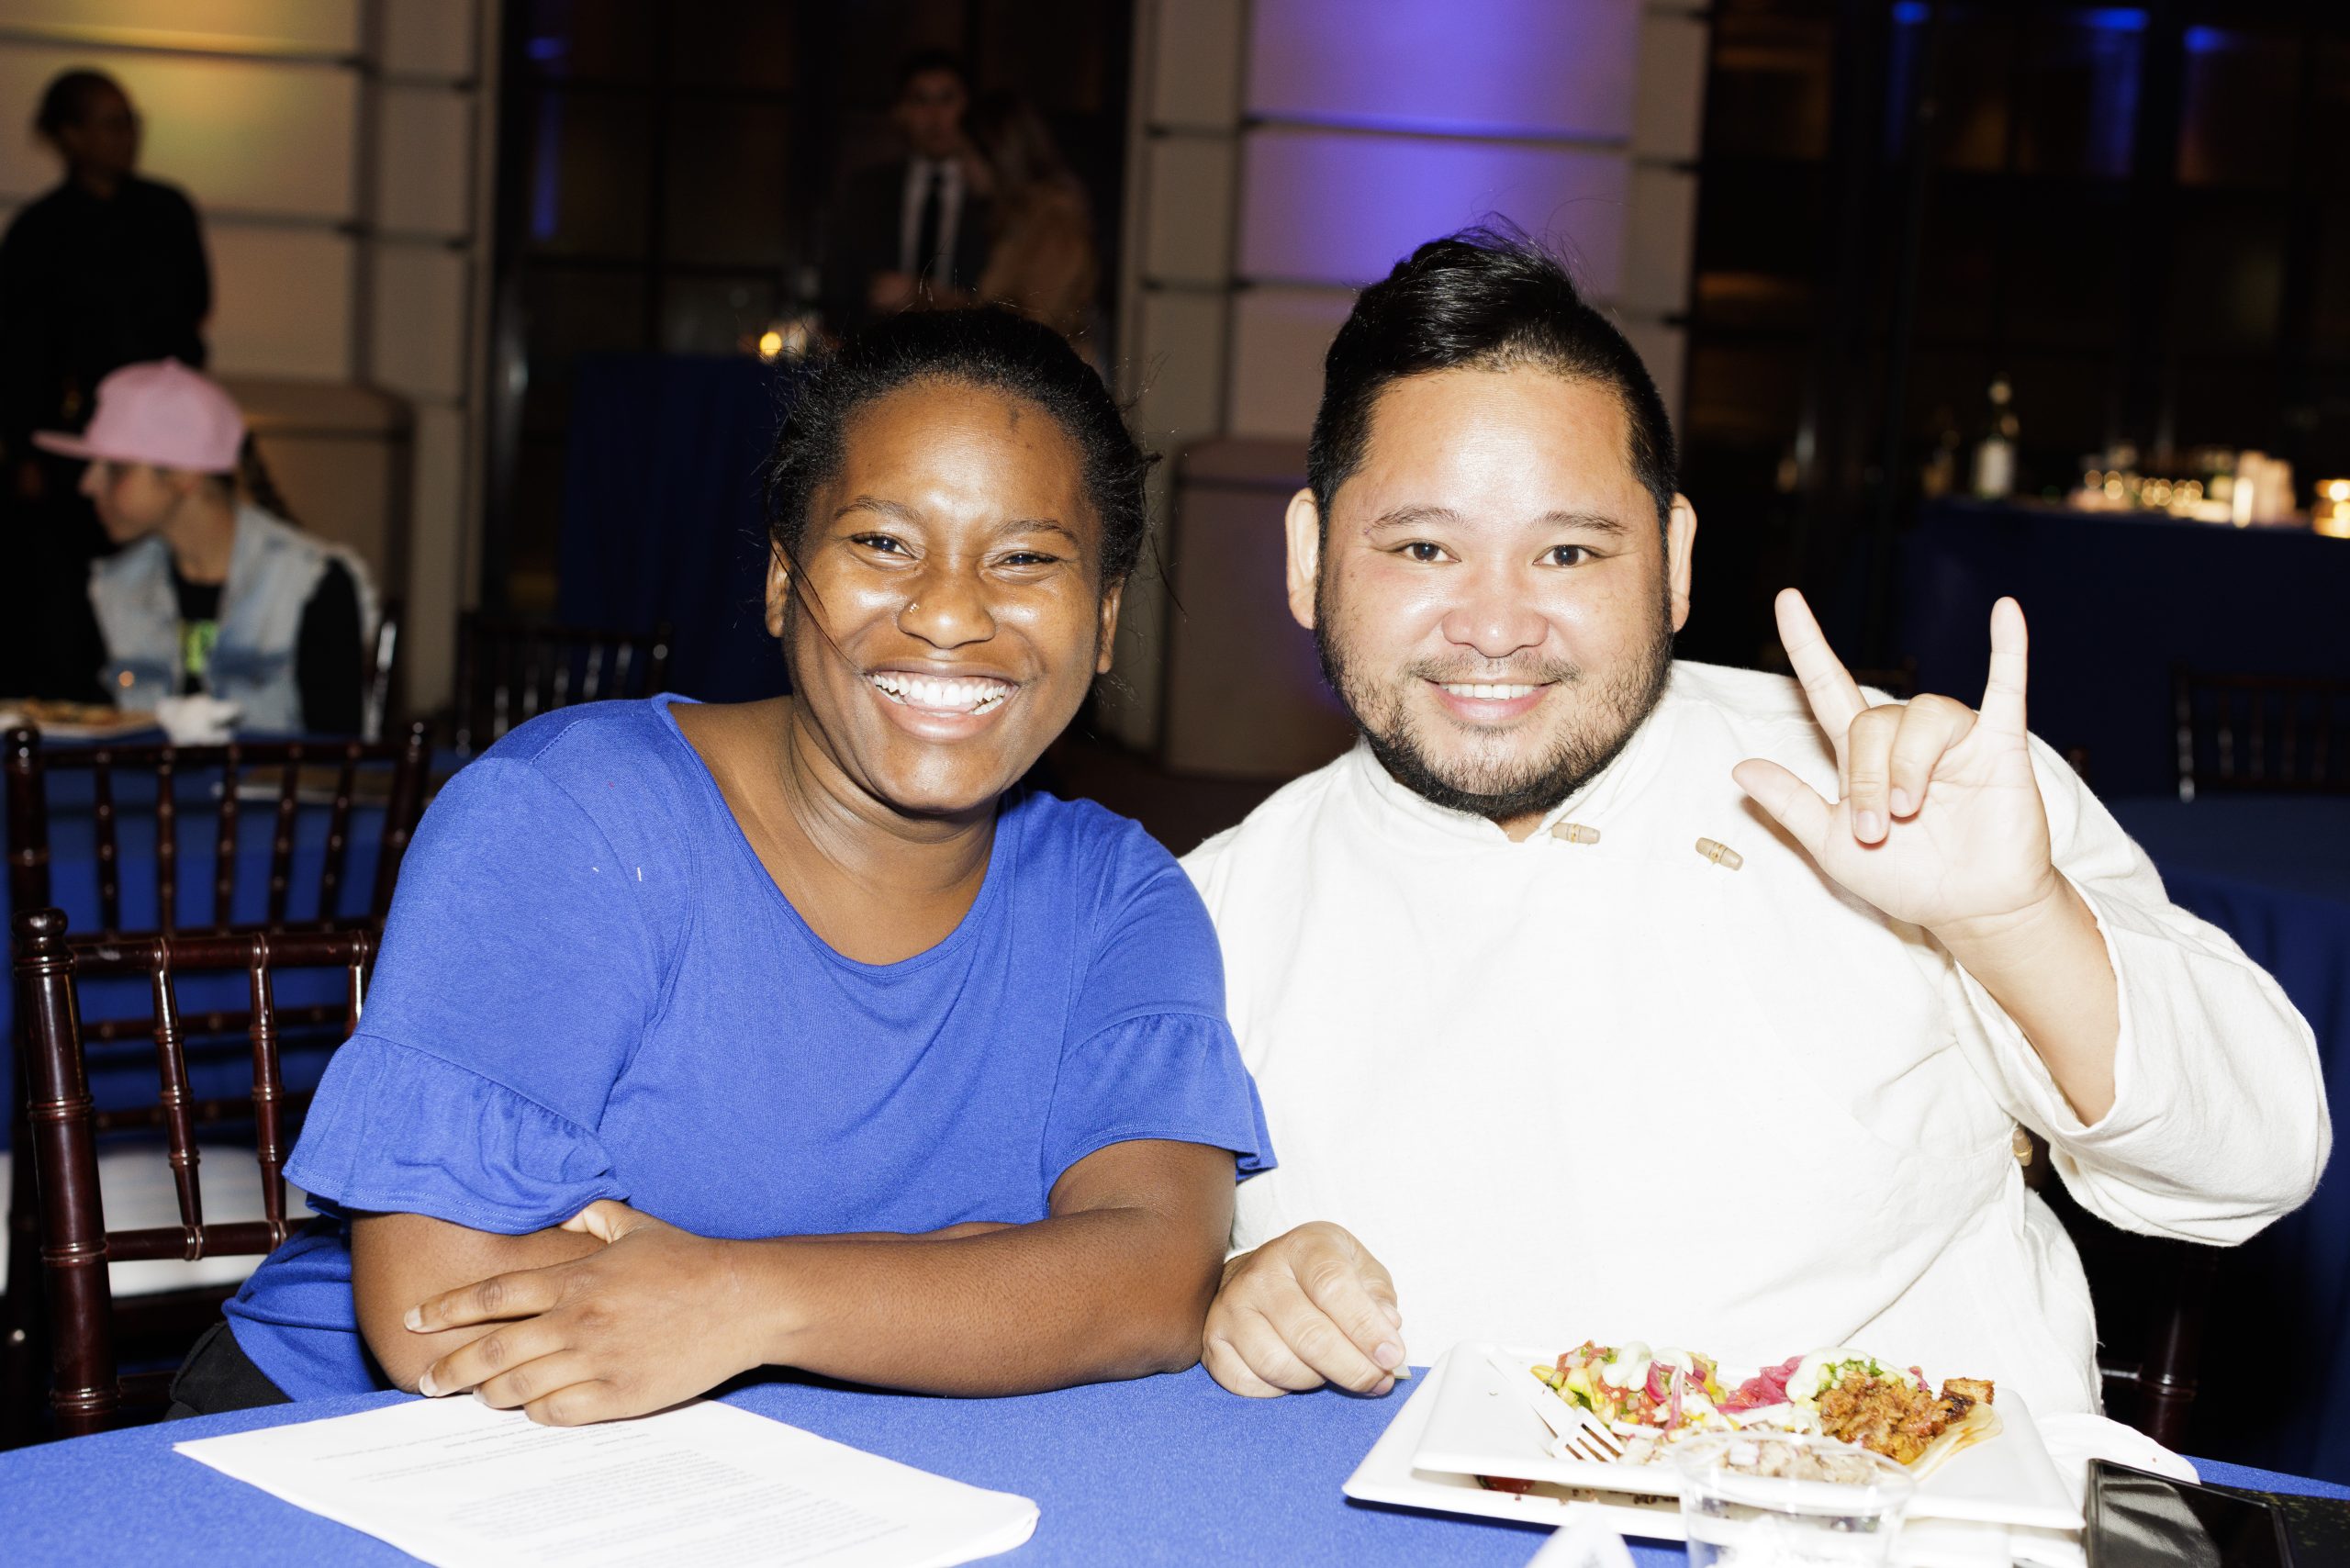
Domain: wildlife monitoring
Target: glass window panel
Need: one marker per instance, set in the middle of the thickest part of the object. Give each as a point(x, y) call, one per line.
point(2236, 117)
point(1758, 250)
point(712, 315)
point(2069, 291)
point(731, 43)
point(2225, 402)
point(1747, 395)
point(1769, 94)
point(875, 34)
point(2060, 402)
point(728, 175)
point(2228, 278)
point(1973, 73)
point(567, 312)
point(588, 174)
point(1957, 257)
point(592, 40)
point(2080, 93)
point(1058, 53)
point(2332, 305)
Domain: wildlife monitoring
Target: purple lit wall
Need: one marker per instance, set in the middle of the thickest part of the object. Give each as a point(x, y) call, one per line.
point(1337, 208)
point(1541, 68)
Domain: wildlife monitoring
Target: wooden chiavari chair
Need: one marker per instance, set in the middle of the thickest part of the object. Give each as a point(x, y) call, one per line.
point(337, 768)
point(2272, 733)
point(509, 671)
point(88, 1391)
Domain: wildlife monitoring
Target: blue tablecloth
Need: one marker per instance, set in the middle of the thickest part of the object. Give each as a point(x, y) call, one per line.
point(2274, 872)
point(2113, 602)
point(1168, 1470)
point(663, 517)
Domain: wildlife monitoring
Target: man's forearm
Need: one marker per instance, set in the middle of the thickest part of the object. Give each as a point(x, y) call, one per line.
point(1101, 1293)
point(2047, 968)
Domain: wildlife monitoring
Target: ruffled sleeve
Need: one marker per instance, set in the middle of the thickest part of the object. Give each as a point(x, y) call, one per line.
point(401, 1131)
point(1170, 1075)
point(519, 974)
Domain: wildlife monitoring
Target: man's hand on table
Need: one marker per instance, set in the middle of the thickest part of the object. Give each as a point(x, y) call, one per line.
point(1307, 1308)
point(646, 1321)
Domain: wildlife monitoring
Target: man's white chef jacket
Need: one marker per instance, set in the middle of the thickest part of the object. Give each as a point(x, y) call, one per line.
point(1615, 1091)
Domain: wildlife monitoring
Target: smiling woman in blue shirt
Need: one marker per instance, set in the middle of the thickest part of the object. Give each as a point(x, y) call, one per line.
point(795, 1032)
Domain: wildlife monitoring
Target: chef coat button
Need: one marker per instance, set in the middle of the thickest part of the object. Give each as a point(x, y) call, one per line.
point(1574, 832)
point(1721, 854)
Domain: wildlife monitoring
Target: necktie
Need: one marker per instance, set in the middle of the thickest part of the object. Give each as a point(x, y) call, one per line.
point(926, 229)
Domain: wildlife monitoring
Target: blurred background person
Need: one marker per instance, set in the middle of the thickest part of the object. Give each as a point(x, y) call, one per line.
point(913, 225)
point(1042, 260)
point(105, 270)
point(212, 589)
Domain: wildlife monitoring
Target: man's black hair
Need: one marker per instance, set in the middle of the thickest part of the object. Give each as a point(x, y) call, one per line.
point(992, 349)
point(67, 99)
point(1486, 299)
point(921, 61)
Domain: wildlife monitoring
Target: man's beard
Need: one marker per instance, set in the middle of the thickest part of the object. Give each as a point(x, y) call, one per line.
point(1498, 787)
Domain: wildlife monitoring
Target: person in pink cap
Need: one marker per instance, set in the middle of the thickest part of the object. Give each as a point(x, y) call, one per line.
point(213, 591)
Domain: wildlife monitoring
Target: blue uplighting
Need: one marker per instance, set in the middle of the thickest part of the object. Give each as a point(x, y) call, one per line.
point(2116, 20)
point(2206, 40)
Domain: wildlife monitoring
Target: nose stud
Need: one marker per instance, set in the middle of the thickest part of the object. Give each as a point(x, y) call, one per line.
point(1574, 832)
point(1721, 855)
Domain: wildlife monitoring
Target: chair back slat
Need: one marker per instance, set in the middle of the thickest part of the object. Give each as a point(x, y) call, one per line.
point(27, 821)
point(65, 1150)
point(346, 784)
point(87, 1391)
point(280, 844)
point(508, 672)
point(109, 848)
point(176, 1102)
point(401, 814)
point(224, 846)
point(167, 846)
point(269, 1094)
point(2257, 733)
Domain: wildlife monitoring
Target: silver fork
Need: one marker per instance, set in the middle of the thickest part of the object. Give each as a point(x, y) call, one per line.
point(1581, 1433)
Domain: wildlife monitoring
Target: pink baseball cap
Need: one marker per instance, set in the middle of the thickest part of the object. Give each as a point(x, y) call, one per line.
point(161, 413)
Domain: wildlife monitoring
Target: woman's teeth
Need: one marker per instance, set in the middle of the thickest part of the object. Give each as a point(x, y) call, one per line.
point(964, 696)
point(1486, 692)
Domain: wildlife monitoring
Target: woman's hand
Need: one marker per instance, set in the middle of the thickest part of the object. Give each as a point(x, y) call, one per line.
point(655, 1316)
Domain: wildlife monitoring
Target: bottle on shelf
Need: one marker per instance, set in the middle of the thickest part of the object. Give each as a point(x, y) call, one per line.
point(1995, 454)
point(1939, 475)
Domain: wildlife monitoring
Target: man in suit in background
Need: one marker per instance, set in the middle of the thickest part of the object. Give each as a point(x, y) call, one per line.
point(915, 225)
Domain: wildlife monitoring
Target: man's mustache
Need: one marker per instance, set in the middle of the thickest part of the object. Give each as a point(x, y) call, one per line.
point(1476, 672)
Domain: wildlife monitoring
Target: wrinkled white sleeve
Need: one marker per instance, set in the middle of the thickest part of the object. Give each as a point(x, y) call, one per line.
point(2219, 1122)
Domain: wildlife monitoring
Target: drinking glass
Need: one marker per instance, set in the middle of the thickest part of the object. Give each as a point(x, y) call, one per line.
point(1783, 1500)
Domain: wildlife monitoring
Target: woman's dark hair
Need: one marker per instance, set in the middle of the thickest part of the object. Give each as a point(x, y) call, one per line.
point(1485, 298)
point(991, 349)
point(259, 485)
point(66, 100)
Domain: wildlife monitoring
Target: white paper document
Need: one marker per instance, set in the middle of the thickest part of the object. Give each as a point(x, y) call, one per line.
point(460, 1485)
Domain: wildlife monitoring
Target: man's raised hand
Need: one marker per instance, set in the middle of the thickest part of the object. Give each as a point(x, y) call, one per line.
point(1940, 822)
point(1307, 1308)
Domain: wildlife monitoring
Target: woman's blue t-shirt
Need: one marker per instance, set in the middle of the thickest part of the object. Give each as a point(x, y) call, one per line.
point(590, 988)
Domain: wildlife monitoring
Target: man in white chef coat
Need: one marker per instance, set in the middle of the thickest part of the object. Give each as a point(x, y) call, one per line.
point(1595, 994)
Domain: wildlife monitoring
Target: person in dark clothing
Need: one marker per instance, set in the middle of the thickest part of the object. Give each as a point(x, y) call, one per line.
point(917, 226)
point(106, 269)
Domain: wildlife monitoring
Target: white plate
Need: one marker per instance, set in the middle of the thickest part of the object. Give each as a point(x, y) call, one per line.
point(1481, 1428)
point(1386, 1475)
